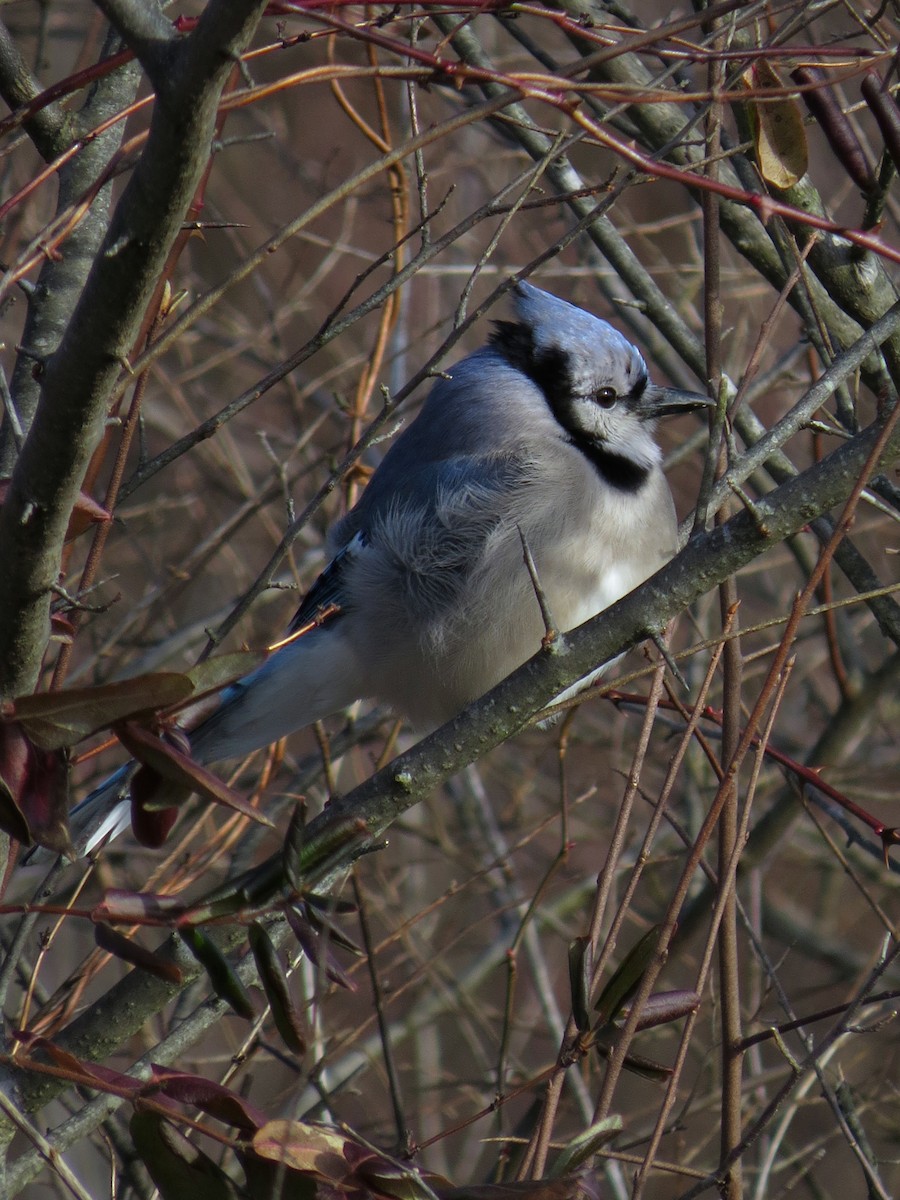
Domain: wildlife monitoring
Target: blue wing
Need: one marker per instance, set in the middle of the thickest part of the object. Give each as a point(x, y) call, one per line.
point(327, 591)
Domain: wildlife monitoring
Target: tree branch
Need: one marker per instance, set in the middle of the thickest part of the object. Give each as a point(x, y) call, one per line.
point(702, 565)
point(48, 128)
point(80, 375)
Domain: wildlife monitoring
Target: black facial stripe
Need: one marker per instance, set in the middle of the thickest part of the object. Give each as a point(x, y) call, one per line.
point(640, 387)
point(549, 370)
point(621, 473)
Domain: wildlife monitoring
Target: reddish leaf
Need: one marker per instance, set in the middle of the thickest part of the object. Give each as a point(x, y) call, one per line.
point(54, 720)
point(33, 793)
point(153, 792)
point(117, 1082)
point(87, 512)
point(61, 629)
point(136, 908)
point(212, 1098)
point(663, 1007)
point(46, 801)
point(152, 829)
point(14, 753)
point(85, 1074)
point(150, 823)
point(59, 1058)
point(344, 1166)
point(316, 948)
point(129, 951)
point(319, 910)
point(179, 769)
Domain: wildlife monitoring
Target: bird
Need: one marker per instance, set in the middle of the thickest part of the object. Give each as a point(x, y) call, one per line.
point(543, 438)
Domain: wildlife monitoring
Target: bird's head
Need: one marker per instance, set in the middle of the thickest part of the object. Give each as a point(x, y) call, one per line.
point(594, 380)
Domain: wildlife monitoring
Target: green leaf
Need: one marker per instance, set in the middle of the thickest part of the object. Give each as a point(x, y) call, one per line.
point(626, 979)
point(585, 1145)
point(293, 848)
point(222, 976)
point(398, 1180)
point(580, 981)
point(274, 980)
point(176, 1166)
point(215, 673)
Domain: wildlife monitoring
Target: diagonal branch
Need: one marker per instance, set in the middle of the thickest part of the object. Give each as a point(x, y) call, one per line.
point(371, 807)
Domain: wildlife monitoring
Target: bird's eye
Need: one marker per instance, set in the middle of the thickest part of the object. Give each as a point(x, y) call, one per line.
point(606, 397)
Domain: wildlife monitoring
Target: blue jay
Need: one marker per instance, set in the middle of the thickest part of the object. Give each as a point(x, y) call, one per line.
point(544, 436)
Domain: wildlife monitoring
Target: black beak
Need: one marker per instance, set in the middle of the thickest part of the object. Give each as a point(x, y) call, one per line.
point(668, 401)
